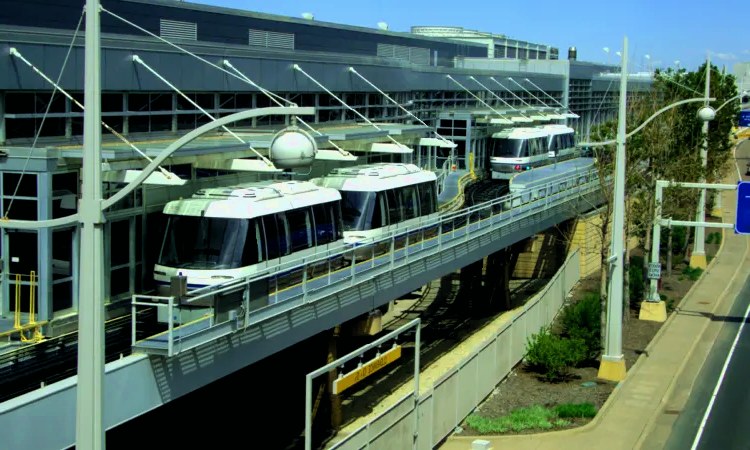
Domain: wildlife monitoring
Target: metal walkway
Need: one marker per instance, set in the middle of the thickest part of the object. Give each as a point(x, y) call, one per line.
point(294, 309)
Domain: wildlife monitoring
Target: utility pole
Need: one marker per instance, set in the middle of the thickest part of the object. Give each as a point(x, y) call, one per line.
point(89, 426)
point(613, 362)
point(698, 258)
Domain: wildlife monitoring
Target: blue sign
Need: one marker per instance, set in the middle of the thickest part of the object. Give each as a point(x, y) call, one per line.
point(744, 118)
point(742, 221)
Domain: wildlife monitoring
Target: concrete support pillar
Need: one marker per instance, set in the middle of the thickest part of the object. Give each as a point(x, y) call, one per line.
point(335, 400)
point(125, 119)
point(2, 118)
point(500, 267)
point(44, 242)
point(470, 280)
point(174, 116)
point(68, 120)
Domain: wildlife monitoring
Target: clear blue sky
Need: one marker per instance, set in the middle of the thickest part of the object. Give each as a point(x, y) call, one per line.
point(667, 30)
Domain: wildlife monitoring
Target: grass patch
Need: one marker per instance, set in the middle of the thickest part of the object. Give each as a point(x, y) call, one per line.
point(536, 417)
point(568, 410)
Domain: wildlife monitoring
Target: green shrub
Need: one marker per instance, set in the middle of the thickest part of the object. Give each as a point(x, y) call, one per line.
point(582, 320)
point(568, 410)
point(550, 355)
point(718, 238)
point(635, 272)
point(692, 273)
point(678, 238)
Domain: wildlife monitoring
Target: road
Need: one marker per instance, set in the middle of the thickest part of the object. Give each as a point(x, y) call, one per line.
point(715, 416)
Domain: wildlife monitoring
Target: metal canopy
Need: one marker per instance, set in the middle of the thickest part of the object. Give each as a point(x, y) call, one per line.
point(435, 142)
point(521, 119)
point(333, 155)
point(380, 147)
point(126, 176)
point(239, 165)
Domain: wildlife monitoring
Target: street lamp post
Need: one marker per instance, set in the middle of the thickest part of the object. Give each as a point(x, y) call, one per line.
point(698, 258)
point(89, 426)
point(613, 363)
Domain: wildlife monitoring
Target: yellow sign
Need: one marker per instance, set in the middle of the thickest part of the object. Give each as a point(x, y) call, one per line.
point(355, 376)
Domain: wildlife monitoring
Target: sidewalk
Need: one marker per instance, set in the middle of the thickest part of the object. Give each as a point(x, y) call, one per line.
point(630, 412)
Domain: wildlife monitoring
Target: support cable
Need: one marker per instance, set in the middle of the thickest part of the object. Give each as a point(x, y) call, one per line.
point(14, 52)
point(529, 92)
point(18, 54)
point(298, 68)
point(500, 98)
point(545, 93)
point(271, 95)
point(138, 60)
point(480, 100)
point(351, 69)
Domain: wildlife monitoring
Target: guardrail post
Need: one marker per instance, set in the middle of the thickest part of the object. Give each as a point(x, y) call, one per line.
point(133, 308)
point(170, 330)
point(440, 235)
point(393, 249)
point(304, 281)
point(354, 263)
point(406, 247)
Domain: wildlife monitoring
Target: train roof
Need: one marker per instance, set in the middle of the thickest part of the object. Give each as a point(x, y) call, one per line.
point(521, 133)
point(375, 177)
point(249, 200)
point(557, 129)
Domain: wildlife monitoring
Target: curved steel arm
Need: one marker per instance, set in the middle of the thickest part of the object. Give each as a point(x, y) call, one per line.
point(666, 108)
point(166, 153)
point(173, 147)
point(742, 94)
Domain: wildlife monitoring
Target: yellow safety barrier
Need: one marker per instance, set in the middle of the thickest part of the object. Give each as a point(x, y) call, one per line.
point(32, 325)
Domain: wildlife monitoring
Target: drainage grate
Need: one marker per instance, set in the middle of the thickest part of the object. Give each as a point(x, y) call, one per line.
point(704, 303)
point(672, 412)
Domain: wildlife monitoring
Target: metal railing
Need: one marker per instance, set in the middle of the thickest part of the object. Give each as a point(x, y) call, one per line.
point(32, 325)
point(277, 289)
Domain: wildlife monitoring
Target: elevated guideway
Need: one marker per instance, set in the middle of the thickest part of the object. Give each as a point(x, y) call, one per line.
point(192, 354)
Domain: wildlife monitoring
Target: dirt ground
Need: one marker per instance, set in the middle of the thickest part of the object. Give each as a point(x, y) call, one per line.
point(523, 388)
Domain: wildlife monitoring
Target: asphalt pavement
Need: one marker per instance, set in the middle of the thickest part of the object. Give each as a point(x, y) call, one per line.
point(716, 413)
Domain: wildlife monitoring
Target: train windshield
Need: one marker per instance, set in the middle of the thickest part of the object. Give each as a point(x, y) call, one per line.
point(508, 148)
point(356, 209)
point(204, 243)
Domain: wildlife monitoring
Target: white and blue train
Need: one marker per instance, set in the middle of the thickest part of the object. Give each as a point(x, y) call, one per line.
point(516, 150)
point(225, 233)
point(229, 233)
point(377, 199)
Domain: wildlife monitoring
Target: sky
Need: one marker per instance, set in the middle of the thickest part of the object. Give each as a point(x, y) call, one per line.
point(667, 30)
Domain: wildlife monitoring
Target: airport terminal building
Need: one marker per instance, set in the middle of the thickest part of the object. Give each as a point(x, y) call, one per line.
point(411, 68)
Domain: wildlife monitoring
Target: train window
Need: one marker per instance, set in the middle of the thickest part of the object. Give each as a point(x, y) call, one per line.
point(204, 243)
point(409, 201)
point(379, 217)
point(299, 229)
point(394, 207)
point(253, 252)
point(275, 233)
point(426, 198)
point(324, 232)
point(336, 206)
point(506, 148)
point(356, 208)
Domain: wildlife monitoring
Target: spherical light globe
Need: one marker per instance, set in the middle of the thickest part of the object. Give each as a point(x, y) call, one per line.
point(292, 147)
point(706, 114)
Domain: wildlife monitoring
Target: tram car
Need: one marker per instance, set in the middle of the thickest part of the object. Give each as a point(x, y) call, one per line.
point(561, 142)
point(379, 199)
point(515, 150)
point(232, 232)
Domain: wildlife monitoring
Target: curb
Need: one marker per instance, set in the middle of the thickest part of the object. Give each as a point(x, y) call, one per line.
point(636, 367)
